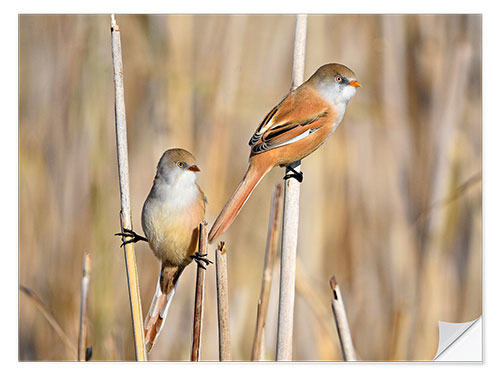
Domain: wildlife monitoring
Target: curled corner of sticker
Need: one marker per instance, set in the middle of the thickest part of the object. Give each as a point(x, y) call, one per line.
point(460, 341)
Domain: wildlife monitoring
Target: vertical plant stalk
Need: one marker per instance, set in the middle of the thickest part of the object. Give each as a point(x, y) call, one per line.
point(267, 276)
point(126, 219)
point(290, 220)
point(199, 295)
point(82, 331)
point(222, 302)
point(340, 316)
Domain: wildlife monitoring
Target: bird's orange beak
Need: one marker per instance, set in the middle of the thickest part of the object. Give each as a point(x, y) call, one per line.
point(194, 168)
point(355, 83)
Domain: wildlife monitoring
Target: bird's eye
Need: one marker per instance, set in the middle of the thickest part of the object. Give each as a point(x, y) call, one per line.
point(180, 164)
point(338, 79)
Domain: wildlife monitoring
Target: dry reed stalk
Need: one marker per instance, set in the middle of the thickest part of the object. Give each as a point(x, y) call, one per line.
point(340, 316)
point(82, 331)
point(126, 218)
point(267, 276)
point(290, 220)
point(199, 294)
point(50, 319)
point(222, 303)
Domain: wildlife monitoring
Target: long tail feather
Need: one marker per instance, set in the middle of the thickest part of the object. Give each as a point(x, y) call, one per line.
point(165, 290)
point(253, 175)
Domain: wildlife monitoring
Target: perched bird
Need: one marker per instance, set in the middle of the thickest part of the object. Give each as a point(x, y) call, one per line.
point(292, 130)
point(171, 216)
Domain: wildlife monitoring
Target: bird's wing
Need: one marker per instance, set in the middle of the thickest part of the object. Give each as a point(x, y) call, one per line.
point(297, 116)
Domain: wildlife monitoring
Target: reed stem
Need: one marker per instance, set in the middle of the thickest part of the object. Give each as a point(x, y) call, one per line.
point(290, 220)
point(82, 331)
point(199, 295)
point(341, 322)
point(222, 303)
point(126, 217)
point(267, 276)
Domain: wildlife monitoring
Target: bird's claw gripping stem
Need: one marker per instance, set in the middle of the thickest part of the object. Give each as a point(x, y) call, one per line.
point(299, 176)
point(130, 233)
point(200, 259)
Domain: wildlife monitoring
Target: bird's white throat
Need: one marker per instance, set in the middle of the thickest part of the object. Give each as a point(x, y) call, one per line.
point(336, 95)
point(180, 191)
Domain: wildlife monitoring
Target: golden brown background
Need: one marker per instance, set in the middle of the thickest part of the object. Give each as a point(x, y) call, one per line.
point(391, 204)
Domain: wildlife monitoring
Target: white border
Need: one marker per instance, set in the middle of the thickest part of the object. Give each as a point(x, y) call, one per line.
point(9, 156)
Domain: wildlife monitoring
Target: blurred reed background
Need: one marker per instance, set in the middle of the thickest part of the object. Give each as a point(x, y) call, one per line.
point(391, 204)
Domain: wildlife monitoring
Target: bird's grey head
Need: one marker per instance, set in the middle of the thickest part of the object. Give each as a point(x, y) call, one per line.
point(176, 166)
point(336, 83)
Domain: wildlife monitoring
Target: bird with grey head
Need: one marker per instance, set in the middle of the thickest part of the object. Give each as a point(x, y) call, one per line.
point(171, 215)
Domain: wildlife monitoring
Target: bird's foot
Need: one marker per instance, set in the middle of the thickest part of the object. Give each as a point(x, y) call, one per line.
point(200, 259)
point(134, 237)
point(292, 173)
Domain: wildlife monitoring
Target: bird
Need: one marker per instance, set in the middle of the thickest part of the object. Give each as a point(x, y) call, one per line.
point(299, 124)
point(171, 215)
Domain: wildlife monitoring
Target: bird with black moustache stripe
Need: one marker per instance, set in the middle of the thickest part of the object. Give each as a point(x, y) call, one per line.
point(292, 130)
